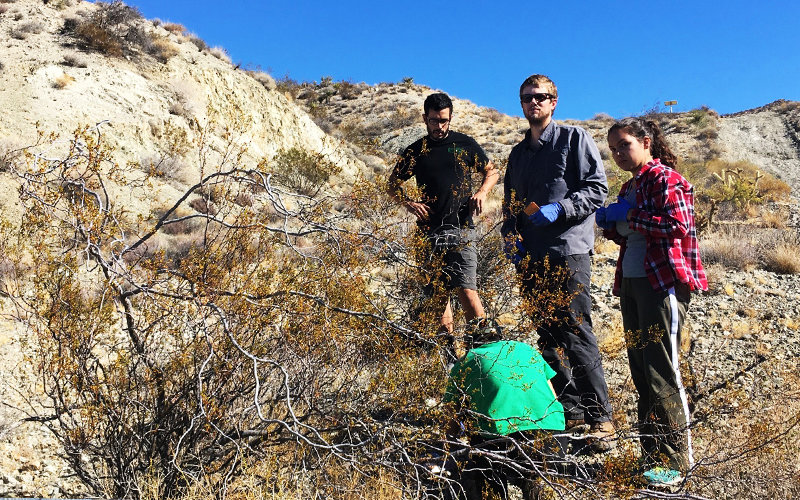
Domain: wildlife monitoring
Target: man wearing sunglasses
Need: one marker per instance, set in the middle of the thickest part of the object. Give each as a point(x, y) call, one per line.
point(442, 163)
point(553, 184)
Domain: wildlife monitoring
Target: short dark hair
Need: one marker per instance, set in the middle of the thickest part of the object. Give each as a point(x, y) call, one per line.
point(437, 102)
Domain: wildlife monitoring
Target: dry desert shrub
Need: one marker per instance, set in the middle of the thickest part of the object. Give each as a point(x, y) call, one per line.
point(116, 29)
point(220, 53)
point(162, 165)
point(22, 31)
point(731, 248)
point(63, 81)
point(774, 218)
point(175, 28)
point(746, 463)
point(162, 49)
point(74, 60)
point(493, 115)
point(729, 190)
point(265, 79)
point(301, 171)
point(198, 42)
point(3, 9)
point(784, 258)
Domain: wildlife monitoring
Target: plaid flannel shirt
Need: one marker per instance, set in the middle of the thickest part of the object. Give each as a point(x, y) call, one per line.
point(664, 214)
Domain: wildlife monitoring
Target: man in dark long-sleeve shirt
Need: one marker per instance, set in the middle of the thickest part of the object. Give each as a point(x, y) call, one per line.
point(559, 168)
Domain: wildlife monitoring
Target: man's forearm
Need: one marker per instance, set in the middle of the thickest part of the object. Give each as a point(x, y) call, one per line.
point(490, 177)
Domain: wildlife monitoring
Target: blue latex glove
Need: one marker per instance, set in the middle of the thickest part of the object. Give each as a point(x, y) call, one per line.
point(514, 250)
point(547, 214)
point(601, 219)
point(618, 211)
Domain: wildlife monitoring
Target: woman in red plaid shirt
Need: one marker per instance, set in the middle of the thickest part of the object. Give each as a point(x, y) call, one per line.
point(658, 266)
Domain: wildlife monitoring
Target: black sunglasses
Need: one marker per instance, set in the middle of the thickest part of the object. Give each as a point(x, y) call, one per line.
point(539, 97)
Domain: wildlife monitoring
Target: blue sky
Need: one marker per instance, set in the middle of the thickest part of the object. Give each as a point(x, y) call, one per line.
point(615, 57)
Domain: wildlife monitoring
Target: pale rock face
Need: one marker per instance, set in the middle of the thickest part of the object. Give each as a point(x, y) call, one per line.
point(135, 99)
point(765, 138)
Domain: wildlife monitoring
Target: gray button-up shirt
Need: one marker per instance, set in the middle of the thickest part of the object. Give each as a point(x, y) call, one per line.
point(566, 168)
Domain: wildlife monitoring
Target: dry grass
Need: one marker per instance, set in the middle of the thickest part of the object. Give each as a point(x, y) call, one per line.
point(97, 38)
point(773, 189)
point(775, 219)
point(220, 53)
point(750, 452)
point(74, 60)
point(198, 42)
point(612, 337)
point(264, 79)
point(784, 258)
point(162, 49)
point(175, 28)
point(63, 81)
point(731, 248)
point(22, 31)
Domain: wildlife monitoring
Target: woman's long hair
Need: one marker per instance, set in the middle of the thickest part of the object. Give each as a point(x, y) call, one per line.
point(641, 128)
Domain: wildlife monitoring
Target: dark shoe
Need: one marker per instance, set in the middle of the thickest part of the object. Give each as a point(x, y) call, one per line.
point(602, 437)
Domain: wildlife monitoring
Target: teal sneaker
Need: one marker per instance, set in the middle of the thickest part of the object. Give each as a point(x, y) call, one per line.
point(662, 476)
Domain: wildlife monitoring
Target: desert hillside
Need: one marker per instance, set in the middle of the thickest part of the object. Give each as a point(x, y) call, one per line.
point(172, 112)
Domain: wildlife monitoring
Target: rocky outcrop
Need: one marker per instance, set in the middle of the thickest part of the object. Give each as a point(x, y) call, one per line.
point(768, 137)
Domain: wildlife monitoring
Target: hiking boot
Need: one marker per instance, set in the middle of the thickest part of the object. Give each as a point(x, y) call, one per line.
point(576, 426)
point(601, 437)
point(663, 477)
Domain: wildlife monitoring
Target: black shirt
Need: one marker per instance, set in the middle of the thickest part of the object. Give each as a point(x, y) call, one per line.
point(443, 170)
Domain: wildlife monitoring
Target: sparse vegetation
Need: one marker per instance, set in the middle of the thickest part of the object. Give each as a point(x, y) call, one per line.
point(116, 29)
point(220, 53)
point(288, 85)
point(175, 28)
point(173, 144)
point(301, 171)
point(162, 49)
point(74, 60)
point(728, 190)
point(60, 4)
point(198, 42)
point(264, 79)
point(63, 81)
point(784, 258)
point(22, 31)
point(731, 248)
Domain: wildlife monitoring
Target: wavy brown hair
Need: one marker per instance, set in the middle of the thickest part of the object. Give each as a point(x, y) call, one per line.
point(641, 128)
